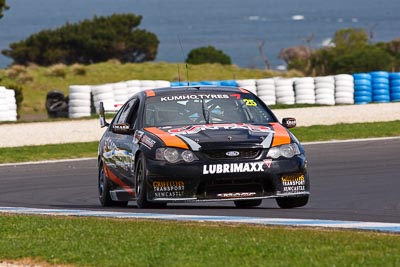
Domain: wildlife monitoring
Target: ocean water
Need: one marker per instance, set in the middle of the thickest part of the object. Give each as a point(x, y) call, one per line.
point(236, 27)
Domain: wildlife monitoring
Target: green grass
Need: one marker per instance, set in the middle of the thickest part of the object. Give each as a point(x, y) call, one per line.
point(112, 242)
point(347, 131)
point(304, 134)
point(46, 152)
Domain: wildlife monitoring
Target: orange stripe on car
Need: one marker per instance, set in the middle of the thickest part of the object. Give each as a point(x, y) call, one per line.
point(244, 90)
point(281, 135)
point(150, 93)
point(168, 139)
point(118, 181)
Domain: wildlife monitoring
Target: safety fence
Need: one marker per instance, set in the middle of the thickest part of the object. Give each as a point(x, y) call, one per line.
point(8, 104)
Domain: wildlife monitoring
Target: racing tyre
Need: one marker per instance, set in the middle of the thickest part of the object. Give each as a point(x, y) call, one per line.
point(292, 202)
point(104, 190)
point(247, 203)
point(141, 187)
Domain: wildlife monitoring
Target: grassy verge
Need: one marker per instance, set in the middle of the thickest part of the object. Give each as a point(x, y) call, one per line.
point(304, 134)
point(110, 242)
point(47, 152)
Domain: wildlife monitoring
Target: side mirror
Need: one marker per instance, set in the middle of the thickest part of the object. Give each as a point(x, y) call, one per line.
point(122, 128)
point(102, 117)
point(289, 122)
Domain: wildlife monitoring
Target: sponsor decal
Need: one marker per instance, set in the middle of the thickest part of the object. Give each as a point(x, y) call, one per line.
point(268, 162)
point(237, 195)
point(137, 136)
point(293, 183)
point(194, 96)
point(250, 102)
point(169, 188)
point(236, 95)
point(231, 126)
point(147, 141)
point(233, 167)
point(232, 153)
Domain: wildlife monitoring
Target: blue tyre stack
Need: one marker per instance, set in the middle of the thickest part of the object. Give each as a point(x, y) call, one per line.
point(380, 86)
point(362, 88)
point(394, 78)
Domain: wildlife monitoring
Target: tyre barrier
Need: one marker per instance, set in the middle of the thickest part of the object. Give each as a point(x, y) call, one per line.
point(358, 88)
point(325, 90)
point(362, 88)
point(394, 82)
point(304, 89)
point(380, 86)
point(266, 90)
point(344, 89)
point(8, 105)
point(284, 91)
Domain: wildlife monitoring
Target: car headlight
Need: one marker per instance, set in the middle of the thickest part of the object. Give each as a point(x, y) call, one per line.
point(287, 151)
point(173, 155)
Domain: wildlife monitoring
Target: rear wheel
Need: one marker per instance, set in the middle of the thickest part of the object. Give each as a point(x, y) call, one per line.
point(104, 190)
point(247, 203)
point(292, 202)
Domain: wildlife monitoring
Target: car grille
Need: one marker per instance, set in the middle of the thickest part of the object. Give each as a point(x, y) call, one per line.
point(248, 153)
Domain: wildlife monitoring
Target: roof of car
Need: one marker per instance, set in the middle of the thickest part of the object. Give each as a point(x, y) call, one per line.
point(186, 89)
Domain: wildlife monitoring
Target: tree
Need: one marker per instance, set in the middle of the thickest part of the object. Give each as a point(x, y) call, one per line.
point(207, 54)
point(348, 40)
point(3, 7)
point(351, 52)
point(89, 41)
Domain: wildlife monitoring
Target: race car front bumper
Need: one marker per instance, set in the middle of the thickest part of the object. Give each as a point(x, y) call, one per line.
point(223, 181)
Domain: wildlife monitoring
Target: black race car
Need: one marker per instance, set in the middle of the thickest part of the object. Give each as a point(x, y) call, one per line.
point(188, 144)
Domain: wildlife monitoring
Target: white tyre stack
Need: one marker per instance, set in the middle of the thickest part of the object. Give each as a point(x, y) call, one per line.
point(3, 104)
point(79, 103)
point(266, 90)
point(161, 84)
point(344, 89)
point(325, 90)
point(248, 84)
point(8, 106)
point(147, 84)
point(133, 87)
point(12, 105)
point(284, 91)
point(103, 93)
point(121, 93)
point(304, 89)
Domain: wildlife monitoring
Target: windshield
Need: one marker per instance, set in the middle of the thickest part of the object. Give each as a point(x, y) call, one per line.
point(204, 108)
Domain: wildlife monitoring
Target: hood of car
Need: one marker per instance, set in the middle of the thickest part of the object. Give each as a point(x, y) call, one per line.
point(212, 136)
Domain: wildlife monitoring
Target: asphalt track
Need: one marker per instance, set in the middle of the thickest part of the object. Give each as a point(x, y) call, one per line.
point(352, 181)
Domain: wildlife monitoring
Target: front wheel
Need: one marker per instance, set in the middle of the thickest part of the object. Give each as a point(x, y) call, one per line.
point(141, 185)
point(103, 186)
point(292, 202)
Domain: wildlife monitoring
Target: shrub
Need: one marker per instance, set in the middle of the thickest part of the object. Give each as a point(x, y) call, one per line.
point(78, 69)
point(207, 54)
point(58, 70)
point(89, 41)
point(14, 71)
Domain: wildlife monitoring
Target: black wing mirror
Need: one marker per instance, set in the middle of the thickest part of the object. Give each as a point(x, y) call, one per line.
point(289, 122)
point(103, 122)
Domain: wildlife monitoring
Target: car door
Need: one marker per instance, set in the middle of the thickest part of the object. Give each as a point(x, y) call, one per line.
point(122, 137)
